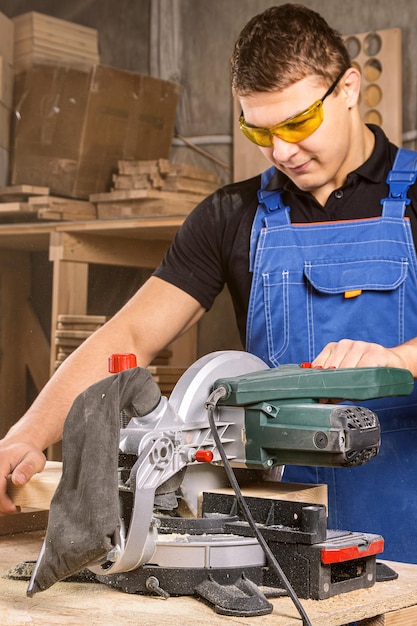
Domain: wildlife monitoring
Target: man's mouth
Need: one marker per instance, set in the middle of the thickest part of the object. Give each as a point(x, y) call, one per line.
point(298, 169)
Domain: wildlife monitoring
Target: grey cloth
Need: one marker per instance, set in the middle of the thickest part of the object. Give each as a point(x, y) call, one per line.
point(84, 514)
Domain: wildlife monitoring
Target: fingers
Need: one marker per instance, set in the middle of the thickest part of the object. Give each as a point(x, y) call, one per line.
point(349, 353)
point(6, 505)
point(18, 464)
point(32, 463)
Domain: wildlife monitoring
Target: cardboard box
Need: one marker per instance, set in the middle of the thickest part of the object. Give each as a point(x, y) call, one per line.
point(6, 38)
point(4, 167)
point(6, 83)
point(72, 126)
point(5, 117)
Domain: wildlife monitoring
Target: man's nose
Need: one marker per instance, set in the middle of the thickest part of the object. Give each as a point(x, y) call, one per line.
point(282, 150)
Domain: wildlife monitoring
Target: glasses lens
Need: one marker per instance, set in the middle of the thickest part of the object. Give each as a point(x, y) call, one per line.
point(303, 125)
point(300, 127)
point(260, 136)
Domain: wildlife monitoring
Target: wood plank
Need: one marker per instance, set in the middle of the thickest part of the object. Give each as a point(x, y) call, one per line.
point(152, 207)
point(313, 494)
point(69, 292)
point(19, 193)
point(39, 491)
point(82, 319)
point(53, 207)
point(126, 252)
point(37, 347)
point(53, 46)
point(401, 617)
point(184, 184)
point(16, 208)
point(164, 167)
point(141, 194)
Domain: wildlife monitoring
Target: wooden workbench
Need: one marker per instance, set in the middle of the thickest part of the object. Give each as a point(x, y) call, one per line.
point(385, 604)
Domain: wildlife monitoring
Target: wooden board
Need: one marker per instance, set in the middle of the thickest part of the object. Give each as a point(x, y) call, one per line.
point(312, 494)
point(20, 193)
point(142, 194)
point(144, 203)
point(52, 207)
point(39, 491)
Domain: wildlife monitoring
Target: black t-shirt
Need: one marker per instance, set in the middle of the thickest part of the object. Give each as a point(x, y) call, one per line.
point(212, 246)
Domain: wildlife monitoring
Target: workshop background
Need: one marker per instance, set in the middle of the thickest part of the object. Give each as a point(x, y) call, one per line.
point(189, 42)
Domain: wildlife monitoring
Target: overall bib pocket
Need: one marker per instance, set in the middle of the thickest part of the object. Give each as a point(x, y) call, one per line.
point(328, 300)
point(356, 299)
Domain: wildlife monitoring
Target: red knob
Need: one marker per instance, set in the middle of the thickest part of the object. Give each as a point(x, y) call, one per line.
point(204, 456)
point(119, 362)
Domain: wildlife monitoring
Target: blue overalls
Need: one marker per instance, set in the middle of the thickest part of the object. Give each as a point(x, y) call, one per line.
point(319, 282)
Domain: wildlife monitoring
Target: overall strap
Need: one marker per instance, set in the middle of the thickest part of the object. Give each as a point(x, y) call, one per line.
point(268, 203)
point(402, 175)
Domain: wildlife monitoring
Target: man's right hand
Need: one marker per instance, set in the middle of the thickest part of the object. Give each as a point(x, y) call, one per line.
point(18, 462)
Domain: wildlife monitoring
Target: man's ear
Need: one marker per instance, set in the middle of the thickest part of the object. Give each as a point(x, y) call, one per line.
point(351, 86)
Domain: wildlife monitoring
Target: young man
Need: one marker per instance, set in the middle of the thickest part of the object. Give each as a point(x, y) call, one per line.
point(316, 272)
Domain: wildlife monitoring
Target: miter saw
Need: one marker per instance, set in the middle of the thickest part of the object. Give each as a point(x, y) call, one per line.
point(230, 409)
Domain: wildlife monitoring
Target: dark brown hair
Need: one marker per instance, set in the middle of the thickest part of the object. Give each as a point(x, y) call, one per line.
point(281, 46)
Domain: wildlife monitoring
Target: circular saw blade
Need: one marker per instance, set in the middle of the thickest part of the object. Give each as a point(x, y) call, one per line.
point(195, 385)
point(188, 399)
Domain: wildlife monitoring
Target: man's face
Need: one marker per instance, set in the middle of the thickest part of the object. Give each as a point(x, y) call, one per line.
point(320, 162)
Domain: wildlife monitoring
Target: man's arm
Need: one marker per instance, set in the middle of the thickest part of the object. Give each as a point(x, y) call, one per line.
point(153, 317)
point(349, 353)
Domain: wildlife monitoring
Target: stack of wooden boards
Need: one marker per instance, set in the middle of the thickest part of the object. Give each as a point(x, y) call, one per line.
point(30, 203)
point(153, 188)
point(139, 189)
point(73, 330)
point(43, 38)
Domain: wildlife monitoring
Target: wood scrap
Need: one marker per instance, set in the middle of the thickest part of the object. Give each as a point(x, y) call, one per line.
point(39, 491)
point(166, 376)
point(16, 211)
point(81, 322)
point(294, 492)
point(154, 188)
point(162, 358)
point(55, 208)
point(144, 203)
point(164, 167)
point(72, 331)
point(20, 193)
point(31, 202)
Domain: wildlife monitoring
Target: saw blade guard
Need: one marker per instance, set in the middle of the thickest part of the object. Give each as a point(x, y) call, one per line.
point(164, 443)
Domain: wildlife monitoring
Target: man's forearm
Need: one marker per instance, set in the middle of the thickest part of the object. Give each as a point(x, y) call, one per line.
point(43, 422)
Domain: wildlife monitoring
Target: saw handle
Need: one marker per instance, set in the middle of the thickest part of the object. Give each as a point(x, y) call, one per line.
point(300, 382)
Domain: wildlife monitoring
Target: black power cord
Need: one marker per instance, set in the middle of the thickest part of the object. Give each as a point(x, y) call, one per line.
point(211, 405)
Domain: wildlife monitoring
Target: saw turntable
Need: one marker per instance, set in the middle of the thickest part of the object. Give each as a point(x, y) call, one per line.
point(229, 410)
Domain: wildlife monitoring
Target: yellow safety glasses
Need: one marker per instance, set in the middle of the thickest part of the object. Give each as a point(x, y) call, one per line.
point(295, 128)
